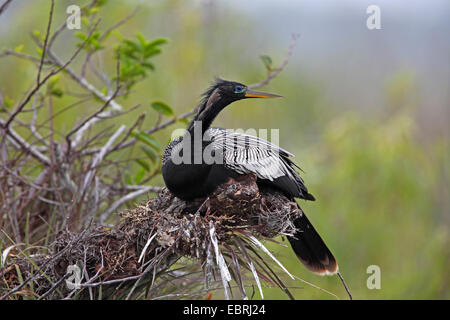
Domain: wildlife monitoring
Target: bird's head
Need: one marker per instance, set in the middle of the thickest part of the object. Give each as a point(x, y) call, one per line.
point(221, 94)
point(231, 91)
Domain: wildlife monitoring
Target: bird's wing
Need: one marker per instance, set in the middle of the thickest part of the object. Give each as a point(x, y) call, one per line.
point(245, 154)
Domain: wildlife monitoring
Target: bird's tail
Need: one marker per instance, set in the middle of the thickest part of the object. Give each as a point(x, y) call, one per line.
point(310, 248)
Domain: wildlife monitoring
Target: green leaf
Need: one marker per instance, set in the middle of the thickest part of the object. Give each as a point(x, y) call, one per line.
point(19, 48)
point(139, 176)
point(145, 138)
point(57, 92)
point(19, 274)
point(151, 52)
point(267, 62)
point(184, 120)
point(143, 164)
point(130, 180)
point(8, 102)
point(53, 80)
point(130, 45)
point(157, 42)
point(100, 3)
point(94, 10)
point(150, 153)
point(37, 33)
point(148, 65)
point(117, 34)
point(162, 108)
point(85, 21)
point(142, 40)
point(81, 35)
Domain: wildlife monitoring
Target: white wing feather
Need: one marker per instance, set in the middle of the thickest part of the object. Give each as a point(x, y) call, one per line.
point(249, 154)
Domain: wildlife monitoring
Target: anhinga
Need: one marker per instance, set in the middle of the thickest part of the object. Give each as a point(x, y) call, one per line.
point(238, 154)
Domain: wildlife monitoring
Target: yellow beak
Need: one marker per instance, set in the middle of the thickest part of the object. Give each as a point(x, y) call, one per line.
point(256, 94)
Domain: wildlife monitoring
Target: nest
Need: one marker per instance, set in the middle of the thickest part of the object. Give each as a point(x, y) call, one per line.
point(215, 232)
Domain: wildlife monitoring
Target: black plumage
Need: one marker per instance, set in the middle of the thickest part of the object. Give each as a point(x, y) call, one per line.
point(198, 162)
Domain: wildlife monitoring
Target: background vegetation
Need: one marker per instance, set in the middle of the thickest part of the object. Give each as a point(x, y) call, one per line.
point(366, 113)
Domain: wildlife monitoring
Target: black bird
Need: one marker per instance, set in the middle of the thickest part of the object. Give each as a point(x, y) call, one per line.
point(193, 166)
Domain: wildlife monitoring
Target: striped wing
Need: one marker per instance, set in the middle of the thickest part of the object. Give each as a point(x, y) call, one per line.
point(246, 154)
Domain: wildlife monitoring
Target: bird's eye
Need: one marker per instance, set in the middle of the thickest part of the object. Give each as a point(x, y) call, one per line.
point(239, 89)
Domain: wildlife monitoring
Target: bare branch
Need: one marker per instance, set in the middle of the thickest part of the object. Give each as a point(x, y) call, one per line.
point(119, 23)
point(25, 145)
point(132, 195)
point(157, 128)
point(85, 84)
point(345, 285)
point(84, 125)
point(99, 157)
point(23, 180)
point(9, 52)
point(97, 116)
point(44, 49)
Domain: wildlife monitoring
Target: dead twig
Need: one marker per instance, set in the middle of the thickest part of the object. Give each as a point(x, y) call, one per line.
point(345, 285)
point(44, 49)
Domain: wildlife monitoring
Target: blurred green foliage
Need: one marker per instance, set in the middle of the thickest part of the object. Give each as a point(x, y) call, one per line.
point(381, 187)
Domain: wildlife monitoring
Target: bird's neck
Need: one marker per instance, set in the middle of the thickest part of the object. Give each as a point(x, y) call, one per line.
point(206, 115)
